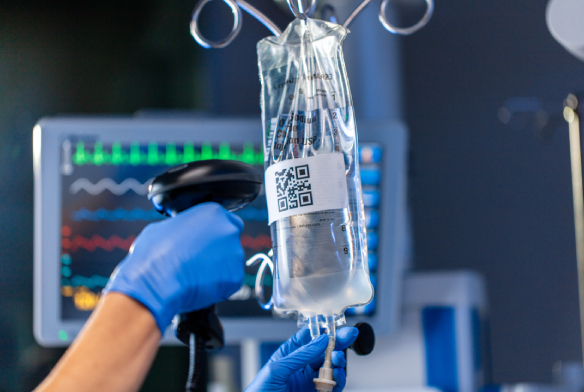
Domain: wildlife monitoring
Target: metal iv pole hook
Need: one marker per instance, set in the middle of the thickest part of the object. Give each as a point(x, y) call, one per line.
point(388, 26)
point(236, 6)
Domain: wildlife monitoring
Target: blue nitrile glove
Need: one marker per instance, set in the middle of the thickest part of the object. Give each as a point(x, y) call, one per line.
point(183, 263)
point(296, 363)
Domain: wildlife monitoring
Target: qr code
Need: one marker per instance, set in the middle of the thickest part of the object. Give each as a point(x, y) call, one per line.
point(293, 188)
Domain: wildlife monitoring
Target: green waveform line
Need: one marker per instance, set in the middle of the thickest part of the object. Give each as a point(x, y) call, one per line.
point(153, 156)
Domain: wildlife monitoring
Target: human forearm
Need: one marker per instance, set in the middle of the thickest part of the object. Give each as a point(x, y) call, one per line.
point(113, 352)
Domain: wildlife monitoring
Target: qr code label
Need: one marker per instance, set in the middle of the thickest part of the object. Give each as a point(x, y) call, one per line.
point(293, 188)
point(304, 185)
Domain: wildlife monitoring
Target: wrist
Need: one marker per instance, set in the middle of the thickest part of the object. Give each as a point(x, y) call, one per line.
point(157, 304)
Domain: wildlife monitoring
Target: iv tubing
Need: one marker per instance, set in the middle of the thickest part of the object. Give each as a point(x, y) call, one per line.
point(325, 381)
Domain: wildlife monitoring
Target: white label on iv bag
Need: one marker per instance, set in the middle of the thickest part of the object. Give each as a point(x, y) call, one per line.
point(303, 185)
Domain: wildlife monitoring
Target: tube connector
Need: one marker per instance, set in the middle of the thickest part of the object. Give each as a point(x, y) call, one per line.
point(314, 327)
point(325, 381)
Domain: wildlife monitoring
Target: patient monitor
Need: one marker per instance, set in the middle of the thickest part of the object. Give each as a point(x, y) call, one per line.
point(91, 180)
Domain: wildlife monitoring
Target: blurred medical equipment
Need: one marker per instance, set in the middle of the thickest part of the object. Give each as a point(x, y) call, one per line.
point(441, 343)
point(567, 377)
point(572, 114)
point(564, 20)
point(301, 9)
point(91, 178)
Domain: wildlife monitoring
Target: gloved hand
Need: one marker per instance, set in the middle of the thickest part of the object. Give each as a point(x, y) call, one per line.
point(184, 263)
point(296, 363)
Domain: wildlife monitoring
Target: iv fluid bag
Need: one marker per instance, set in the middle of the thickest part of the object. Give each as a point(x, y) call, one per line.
point(313, 187)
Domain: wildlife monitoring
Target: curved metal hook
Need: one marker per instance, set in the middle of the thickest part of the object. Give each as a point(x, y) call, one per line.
point(259, 283)
point(196, 33)
point(237, 23)
point(388, 26)
point(406, 30)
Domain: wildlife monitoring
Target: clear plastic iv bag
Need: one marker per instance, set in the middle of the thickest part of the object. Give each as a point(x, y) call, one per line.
point(313, 187)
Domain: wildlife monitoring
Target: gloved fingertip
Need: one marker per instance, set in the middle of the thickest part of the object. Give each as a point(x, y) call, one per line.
point(301, 337)
point(345, 337)
point(236, 220)
point(340, 377)
point(318, 345)
point(351, 332)
point(338, 359)
point(301, 334)
point(319, 340)
point(303, 356)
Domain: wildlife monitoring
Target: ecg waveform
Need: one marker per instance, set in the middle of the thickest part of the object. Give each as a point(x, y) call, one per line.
point(256, 243)
point(95, 242)
point(153, 154)
point(119, 214)
point(110, 185)
point(91, 282)
point(253, 214)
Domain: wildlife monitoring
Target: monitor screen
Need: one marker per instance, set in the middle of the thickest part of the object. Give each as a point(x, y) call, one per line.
point(104, 208)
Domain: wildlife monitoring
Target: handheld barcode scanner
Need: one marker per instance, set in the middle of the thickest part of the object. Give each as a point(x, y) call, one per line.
point(233, 185)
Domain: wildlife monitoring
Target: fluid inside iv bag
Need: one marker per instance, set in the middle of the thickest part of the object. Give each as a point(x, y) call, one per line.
point(313, 188)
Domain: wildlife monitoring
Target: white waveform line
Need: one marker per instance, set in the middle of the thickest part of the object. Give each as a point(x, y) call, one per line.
point(109, 184)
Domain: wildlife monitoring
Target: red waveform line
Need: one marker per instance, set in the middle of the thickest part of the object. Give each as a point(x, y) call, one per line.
point(256, 243)
point(96, 241)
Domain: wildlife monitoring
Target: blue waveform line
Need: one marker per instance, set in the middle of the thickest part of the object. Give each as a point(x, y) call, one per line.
point(91, 282)
point(119, 214)
point(253, 214)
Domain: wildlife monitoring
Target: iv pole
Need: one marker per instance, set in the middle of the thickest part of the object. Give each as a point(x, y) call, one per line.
point(571, 114)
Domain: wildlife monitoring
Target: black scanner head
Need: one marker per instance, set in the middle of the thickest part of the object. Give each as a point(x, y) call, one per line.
point(232, 184)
